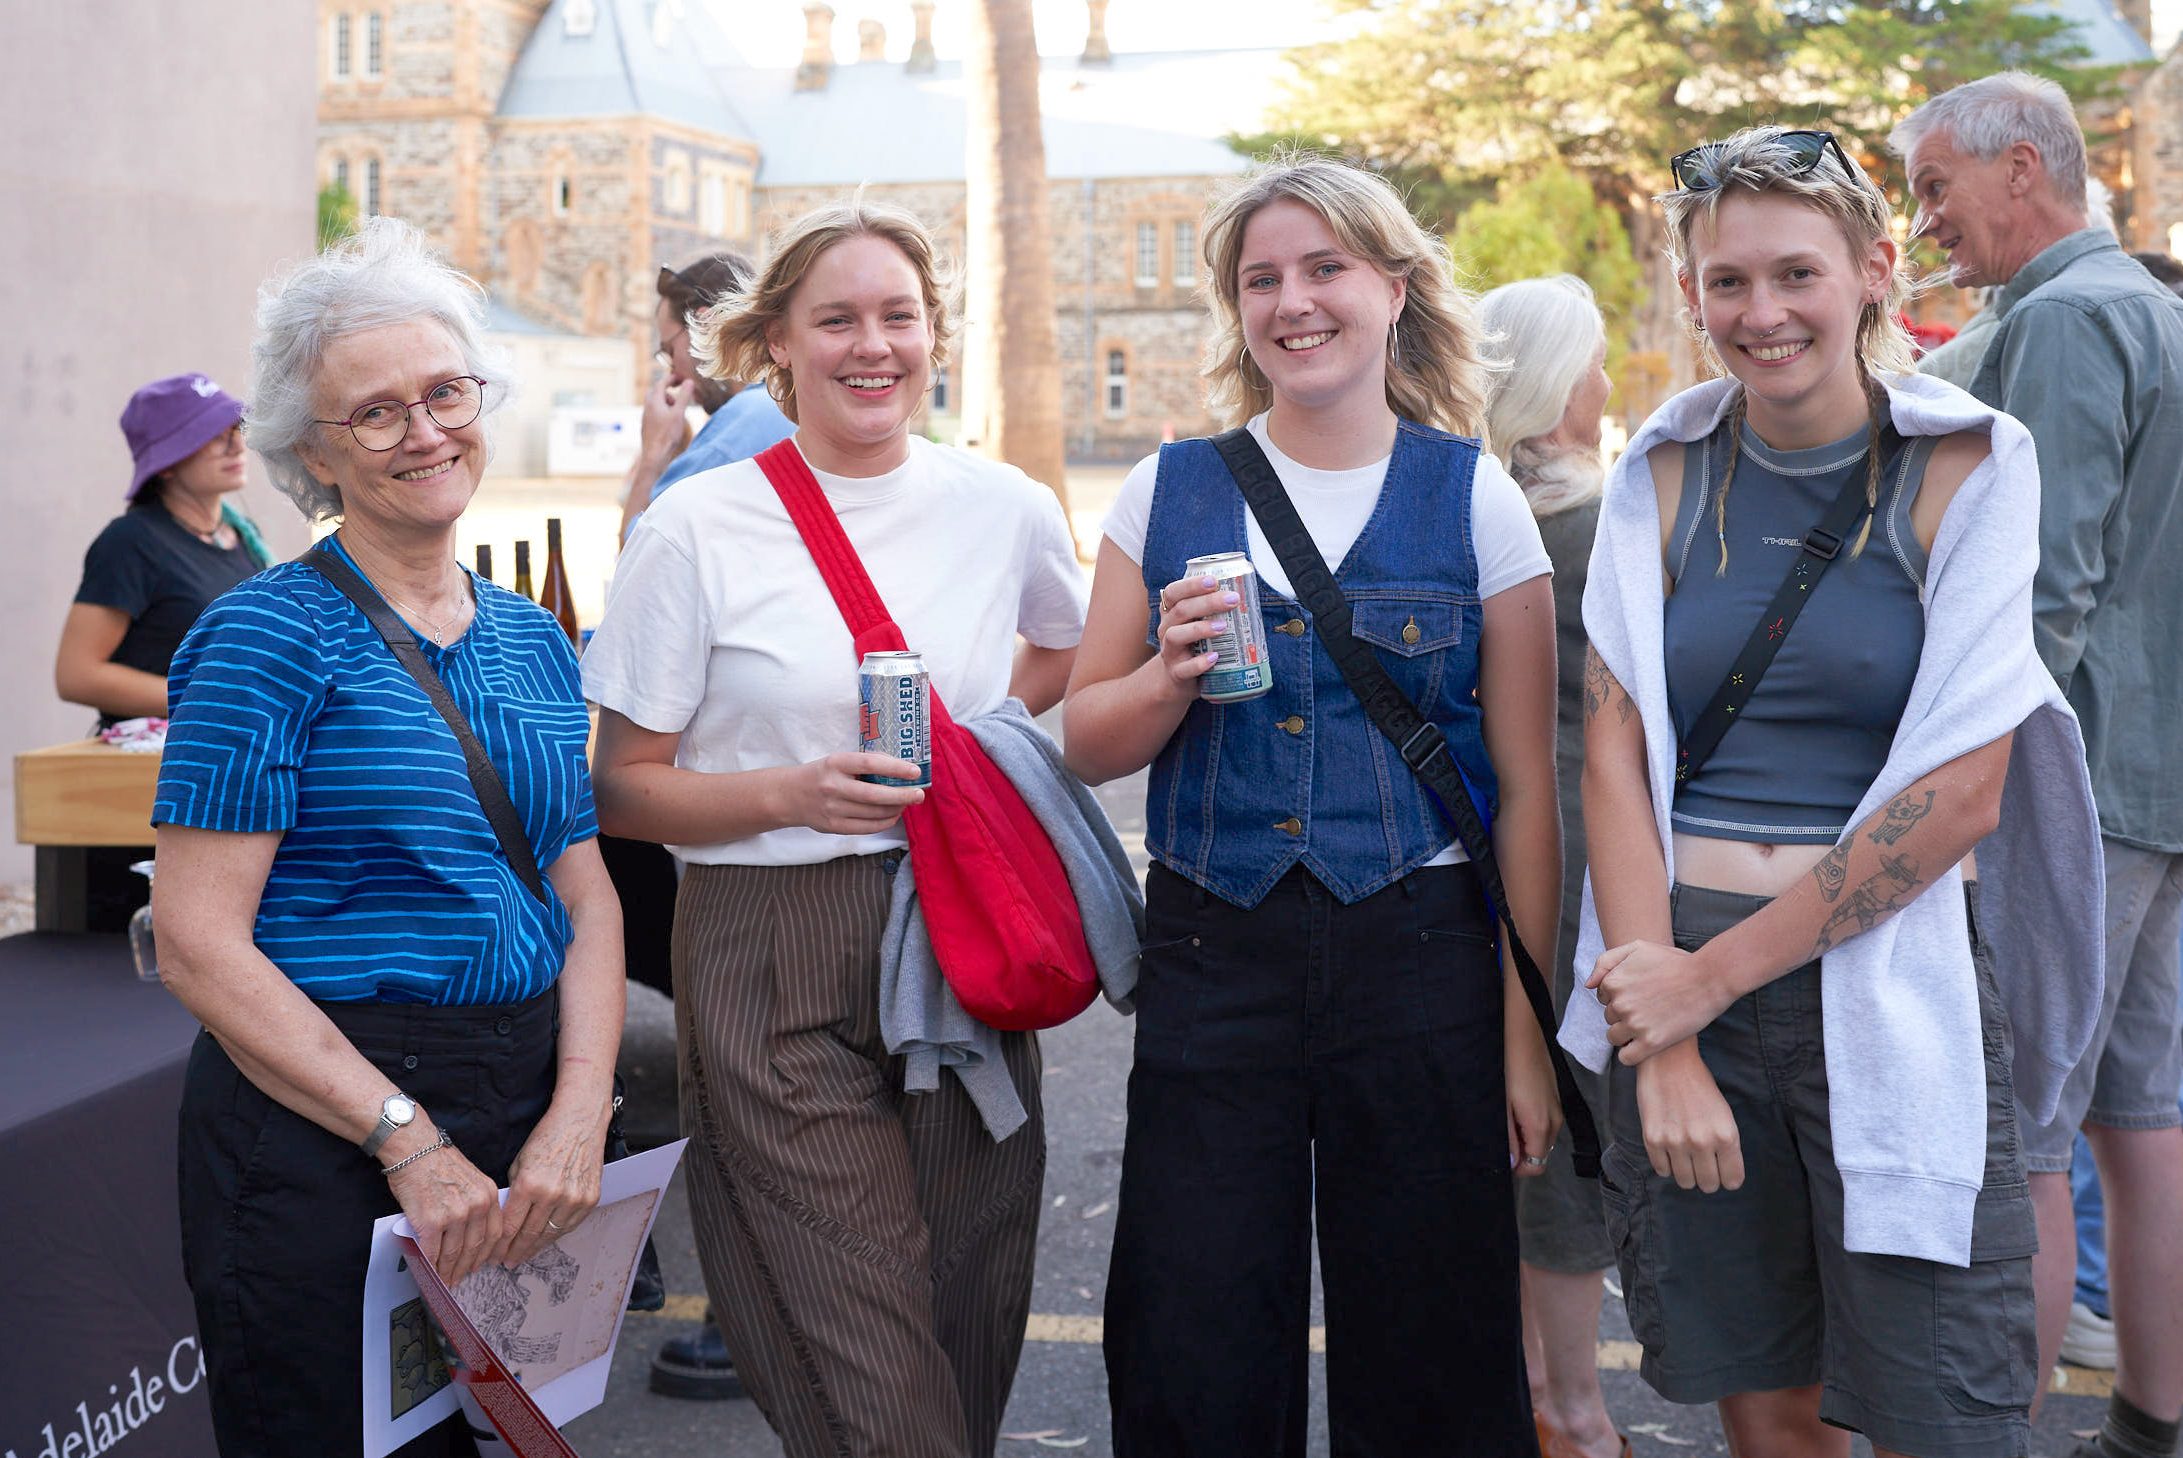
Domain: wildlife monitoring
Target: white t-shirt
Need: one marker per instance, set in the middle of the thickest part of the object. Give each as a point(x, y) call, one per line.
point(719, 627)
point(1335, 505)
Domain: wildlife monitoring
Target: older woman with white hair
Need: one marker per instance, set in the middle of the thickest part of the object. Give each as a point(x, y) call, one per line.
point(1544, 419)
point(403, 1009)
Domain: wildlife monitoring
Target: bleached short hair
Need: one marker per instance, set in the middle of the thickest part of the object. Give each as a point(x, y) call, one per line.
point(1986, 117)
point(387, 273)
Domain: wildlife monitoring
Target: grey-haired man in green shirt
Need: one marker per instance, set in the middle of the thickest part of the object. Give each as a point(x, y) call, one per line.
point(2087, 352)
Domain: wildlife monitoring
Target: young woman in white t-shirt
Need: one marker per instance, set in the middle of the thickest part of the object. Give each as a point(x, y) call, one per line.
point(1325, 1035)
point(868, 1255)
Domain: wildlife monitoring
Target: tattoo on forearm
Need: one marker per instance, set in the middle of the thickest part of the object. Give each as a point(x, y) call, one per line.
point(1901, 816)
point(1832, 872)
point(1873, 900)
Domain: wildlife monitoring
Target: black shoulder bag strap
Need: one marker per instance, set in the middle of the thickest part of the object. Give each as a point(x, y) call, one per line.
point(1820, 547)
point(484, 779)
point(1419, 741)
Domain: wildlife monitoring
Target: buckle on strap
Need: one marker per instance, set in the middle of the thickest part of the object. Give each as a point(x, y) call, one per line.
point(1822, 543)
point(1424, 742)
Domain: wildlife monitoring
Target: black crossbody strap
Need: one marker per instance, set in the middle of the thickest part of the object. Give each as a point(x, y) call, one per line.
point(1419, 741)
point(484, 779)
point(1822, 544)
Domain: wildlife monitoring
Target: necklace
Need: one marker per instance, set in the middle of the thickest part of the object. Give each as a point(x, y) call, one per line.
point(438, 629)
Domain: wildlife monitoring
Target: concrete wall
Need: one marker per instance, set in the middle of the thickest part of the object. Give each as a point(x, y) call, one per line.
point(158, 167)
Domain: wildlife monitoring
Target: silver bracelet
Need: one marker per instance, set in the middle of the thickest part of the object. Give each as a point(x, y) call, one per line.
point(443, 1142)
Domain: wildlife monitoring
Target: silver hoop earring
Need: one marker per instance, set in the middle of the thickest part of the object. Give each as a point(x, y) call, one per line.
point(1394, 345)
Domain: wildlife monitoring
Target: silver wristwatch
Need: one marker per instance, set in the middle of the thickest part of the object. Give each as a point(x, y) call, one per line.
point(398, 1112)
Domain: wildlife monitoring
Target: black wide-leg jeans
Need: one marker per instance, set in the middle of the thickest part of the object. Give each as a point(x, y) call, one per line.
point(1305, 1057)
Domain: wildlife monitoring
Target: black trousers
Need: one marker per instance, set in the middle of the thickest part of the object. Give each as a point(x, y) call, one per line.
point(1308, 1057)
point(644, 878)
point(277, 1214)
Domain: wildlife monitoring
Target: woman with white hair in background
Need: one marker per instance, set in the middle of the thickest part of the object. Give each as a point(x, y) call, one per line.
point(401, 1012)
point(1544, 420)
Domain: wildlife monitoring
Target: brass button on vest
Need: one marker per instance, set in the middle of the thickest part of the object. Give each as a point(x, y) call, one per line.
point(1294, 723)
point(1294, 627)
point(1292, 825)
point(1410, 634)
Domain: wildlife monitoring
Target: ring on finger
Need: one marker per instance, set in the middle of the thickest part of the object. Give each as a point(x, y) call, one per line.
point(551, 1226)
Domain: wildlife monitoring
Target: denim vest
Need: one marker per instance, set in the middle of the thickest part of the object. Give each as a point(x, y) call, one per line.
point(1244, 791)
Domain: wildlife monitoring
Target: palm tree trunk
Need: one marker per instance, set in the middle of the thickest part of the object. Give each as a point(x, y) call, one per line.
point(1011, 360)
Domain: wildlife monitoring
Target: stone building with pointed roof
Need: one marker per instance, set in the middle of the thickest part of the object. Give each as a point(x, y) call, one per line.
point(561, 150)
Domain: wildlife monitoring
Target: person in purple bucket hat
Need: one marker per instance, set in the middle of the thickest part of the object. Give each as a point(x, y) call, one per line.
point(147, 576)
point(156, 566)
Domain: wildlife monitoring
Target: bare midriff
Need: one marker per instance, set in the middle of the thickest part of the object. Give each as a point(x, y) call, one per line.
point(1751, 868)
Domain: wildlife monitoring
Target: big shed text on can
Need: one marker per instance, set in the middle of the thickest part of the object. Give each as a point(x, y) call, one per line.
point(1243, 670)
point(894, 707)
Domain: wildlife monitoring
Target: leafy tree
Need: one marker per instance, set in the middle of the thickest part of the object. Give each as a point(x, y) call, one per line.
point(1551, 222)
point(336, 214)
point(1611, 88)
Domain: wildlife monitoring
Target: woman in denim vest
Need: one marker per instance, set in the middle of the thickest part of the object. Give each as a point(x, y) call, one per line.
point(1324, 1028)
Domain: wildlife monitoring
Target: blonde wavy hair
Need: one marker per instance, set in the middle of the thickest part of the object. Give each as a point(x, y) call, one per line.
point(1757, 160)
point(1436, 372)
point(728, 339)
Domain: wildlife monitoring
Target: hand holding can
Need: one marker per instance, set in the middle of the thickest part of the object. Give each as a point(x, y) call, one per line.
point(1241, 668)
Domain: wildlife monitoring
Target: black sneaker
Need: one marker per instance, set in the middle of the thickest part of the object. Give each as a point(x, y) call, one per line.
point(696, 1367)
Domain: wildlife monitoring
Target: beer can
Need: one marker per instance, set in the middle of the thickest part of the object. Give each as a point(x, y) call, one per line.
point(894, 712)
point(1243, 670)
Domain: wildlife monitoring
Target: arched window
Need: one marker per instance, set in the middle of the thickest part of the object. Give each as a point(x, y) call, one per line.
point(675, 182)
point(341, 173)
point(940, 391)
point(712, 204)
point(526, 255)
point(1185, 263)
point(371, 187)
point(1117, 392)
point(1148, 255)
point(563, 195)
point(374, 43)
point(598, 298)
point(341, 43)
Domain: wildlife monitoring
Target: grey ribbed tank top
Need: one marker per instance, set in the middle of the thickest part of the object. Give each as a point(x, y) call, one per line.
point(1793, 767)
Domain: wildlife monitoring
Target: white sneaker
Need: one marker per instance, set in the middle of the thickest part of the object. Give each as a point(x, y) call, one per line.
point(2089, 1339)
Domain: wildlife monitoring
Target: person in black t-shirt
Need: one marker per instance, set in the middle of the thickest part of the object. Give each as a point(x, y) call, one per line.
point(157, 565)
point(146, 578)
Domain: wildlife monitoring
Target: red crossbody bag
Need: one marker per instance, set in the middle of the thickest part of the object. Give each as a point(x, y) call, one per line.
point(996, 901)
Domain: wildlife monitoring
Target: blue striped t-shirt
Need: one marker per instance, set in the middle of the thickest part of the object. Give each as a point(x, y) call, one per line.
point(289, 714)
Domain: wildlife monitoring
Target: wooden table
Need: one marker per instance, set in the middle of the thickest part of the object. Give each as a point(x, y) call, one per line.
point(69, 798)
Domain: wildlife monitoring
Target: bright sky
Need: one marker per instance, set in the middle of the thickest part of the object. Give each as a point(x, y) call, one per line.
point(770, 32)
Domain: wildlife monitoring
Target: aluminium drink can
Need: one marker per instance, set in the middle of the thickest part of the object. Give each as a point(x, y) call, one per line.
point(894, 713)
point(1243, 670)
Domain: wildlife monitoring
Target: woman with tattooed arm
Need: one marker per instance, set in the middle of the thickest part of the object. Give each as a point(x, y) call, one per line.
point(1791, 752)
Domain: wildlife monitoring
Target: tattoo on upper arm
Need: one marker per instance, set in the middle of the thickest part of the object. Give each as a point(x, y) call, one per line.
point(1600, 687)
point(1902, 814)
point(1879, 896)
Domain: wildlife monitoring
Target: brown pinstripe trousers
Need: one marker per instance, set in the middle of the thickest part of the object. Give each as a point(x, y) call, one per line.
point(868, 1253)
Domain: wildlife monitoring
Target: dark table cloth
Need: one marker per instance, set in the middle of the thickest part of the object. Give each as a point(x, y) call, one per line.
point(98, 1340)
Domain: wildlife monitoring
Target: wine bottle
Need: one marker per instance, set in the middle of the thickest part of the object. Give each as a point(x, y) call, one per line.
point(554, 596)
point(523, 568)
point(485, 562)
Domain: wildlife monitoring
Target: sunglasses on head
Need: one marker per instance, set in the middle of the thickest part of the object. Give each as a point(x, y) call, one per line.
point(1694, 170)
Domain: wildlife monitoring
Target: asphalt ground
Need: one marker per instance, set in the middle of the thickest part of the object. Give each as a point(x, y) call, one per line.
point(1060, 1395)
